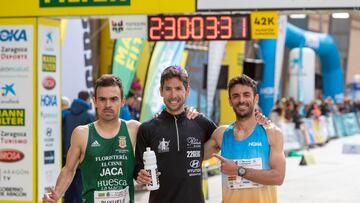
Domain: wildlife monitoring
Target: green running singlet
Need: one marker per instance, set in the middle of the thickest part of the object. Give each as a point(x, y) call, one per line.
point(107, 168)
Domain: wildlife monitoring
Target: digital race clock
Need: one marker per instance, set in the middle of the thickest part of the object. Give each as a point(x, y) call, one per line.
point(198, 27)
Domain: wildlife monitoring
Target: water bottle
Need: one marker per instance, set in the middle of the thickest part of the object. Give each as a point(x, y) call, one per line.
point(151, 167)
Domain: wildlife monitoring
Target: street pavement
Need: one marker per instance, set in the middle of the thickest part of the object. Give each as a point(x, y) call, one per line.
point(334, 178)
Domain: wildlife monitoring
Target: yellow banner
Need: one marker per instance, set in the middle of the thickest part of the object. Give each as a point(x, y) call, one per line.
point(25, 8)
point(234, 58)
point(264, 25)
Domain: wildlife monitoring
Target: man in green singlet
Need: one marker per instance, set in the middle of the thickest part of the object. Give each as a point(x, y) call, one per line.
point(104, 150)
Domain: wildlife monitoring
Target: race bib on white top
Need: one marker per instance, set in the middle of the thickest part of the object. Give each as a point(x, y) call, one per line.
point(112, 196)
point(237, 182)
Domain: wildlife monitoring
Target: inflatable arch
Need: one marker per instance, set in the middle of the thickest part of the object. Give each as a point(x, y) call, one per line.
point(323, 45)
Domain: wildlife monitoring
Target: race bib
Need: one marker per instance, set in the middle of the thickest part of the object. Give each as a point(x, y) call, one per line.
point(237, 182)
point(112, 196)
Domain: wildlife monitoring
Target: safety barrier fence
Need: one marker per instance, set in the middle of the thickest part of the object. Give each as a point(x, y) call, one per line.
point(313, 132)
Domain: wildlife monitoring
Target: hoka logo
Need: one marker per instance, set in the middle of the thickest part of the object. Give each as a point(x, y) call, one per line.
point(13, 35)
point(255, 144)
point(95, 144)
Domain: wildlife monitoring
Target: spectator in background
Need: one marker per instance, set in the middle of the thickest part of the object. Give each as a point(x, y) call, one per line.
point(277, 112)
point(129, 110)
point(328, 107)
point(347, 107)
point(78, 115)
point(357, 105)
point(313, 110)
point(300, 107)
point(65, 105)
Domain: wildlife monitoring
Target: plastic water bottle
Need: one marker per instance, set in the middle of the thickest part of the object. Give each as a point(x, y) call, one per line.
point(151, 167)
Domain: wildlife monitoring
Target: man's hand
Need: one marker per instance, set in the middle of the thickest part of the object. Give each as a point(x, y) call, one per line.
point(262, 120)
point(51, 197)
point(143, 177)
point(228, 167)
point(191, 113)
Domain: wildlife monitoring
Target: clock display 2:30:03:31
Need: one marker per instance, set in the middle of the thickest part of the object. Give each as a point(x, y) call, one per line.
point(198, 27)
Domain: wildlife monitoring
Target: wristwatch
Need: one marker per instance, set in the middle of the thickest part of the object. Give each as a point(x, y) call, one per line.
point(241, 171)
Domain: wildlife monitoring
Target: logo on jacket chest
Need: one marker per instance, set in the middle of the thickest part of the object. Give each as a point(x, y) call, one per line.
point(163, 146)
point(193, 142)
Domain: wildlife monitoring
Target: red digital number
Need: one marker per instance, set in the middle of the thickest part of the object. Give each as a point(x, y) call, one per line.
point(244, 27)
point(170, 28)
point(197, 31)
point(155, 28)
point(225, 27)
point(211, 27)
point(183, 29)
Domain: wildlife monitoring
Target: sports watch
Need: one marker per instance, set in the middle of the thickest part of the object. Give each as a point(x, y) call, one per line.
point(241, 171)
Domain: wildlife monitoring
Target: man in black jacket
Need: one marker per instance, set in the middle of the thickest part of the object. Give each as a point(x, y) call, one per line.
point(78, 115)
point(177, 141)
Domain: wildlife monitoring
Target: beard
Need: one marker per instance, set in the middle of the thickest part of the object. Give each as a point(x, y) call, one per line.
point(245, 114)
point(175, 108)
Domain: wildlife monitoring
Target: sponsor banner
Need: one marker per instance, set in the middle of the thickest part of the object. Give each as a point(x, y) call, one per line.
point(292, 141)
point(266, 87)
point(273, 4)
point(235, 51)
point(164, 55)
point(12, 117)
point(76, 59)
point(126, 57)
point(339, 126)
point(279, 56)
point(49, 131)
point(216, 53)
point(128, 26)
point(62, 3)
point(264, 25)
point(351, 125)
point(323, 127)
point(308, 130)
point(21, 8)
point(331, 126)
point(16, 110)
point(319, 137)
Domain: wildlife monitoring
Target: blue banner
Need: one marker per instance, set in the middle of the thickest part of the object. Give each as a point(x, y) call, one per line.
point(266, 87)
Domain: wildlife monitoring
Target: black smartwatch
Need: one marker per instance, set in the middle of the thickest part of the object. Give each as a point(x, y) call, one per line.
point(241, 171)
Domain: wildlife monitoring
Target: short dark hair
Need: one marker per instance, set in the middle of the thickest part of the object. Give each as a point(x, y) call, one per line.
point(108, 80)
point(84, 95)
point(175, 71)
point(243, 80)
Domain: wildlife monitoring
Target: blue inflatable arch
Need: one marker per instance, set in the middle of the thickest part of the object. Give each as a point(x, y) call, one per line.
point(323, 45)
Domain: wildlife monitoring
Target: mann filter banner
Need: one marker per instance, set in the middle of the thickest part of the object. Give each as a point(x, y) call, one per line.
point(126, 59)
point(17, 114)
point(164, 55)
point(76, 59)
point(49, 108)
